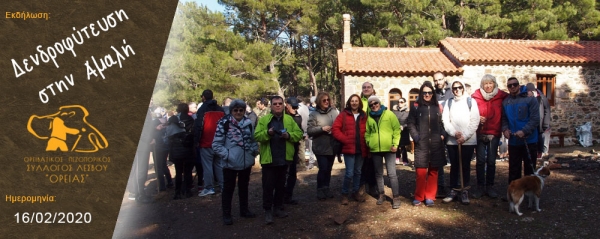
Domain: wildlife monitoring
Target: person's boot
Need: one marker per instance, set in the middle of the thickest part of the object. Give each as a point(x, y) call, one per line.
point(227, 220)
point(361, 192)
point(321, 194)
point(478, 192)
point(450, 197)
point(269, 217)
point(491, 192)
point(464, 197)
point(328, 193)
point(396, 202)
point(245, 213)
point(344, 199)
point(381, 199)
point(279, 213)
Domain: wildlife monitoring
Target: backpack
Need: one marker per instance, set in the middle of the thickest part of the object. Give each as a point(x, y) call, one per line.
point(185, 138)
point(468, 103)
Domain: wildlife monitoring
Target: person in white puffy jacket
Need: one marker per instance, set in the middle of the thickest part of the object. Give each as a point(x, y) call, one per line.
point(461, 119)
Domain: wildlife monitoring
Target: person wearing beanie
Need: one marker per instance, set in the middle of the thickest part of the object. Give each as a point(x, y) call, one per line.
point(382, 137)
point(489, 101)
point(544, 128)
point(235, 145)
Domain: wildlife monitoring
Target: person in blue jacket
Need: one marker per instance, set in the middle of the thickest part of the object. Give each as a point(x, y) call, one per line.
point(520, 123)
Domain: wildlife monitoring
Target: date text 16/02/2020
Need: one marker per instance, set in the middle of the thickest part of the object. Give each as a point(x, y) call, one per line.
point(55, 217)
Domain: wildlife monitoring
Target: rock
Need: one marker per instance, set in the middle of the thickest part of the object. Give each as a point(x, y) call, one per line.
point(340, 219)
point(554, 166)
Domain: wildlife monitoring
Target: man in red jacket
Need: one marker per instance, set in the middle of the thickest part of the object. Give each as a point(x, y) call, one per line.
point(205, 127)
point(489, 100)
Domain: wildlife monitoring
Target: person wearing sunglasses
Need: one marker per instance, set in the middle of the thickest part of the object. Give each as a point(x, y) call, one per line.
point(489, 101)
point(382, 137)
point(520, 121)
point(276, 134)
point(427, 130)
point(319, 128)
point(461, 119)
point(234, 143)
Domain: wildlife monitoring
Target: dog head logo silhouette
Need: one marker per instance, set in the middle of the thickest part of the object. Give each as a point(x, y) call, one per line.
point(65, 128)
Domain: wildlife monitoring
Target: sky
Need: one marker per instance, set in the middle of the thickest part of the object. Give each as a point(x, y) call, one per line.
point(213, 5)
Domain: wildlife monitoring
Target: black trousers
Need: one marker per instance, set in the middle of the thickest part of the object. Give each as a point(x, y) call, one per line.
point(519, 160)
point(292, 175)
point(368, 173)
point(273, 184)
point(229, 179)
point(183, 172)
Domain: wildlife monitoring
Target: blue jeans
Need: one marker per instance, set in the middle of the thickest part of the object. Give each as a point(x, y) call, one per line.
point(325, 163)
point(486, 157)
point(390, 164)
point(354, 164)
point(211, 165)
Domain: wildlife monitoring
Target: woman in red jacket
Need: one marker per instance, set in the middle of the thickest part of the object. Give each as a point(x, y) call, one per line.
point(489, 100)
point(349, 128)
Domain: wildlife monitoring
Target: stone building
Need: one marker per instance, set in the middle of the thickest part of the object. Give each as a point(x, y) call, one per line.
point(568, 72)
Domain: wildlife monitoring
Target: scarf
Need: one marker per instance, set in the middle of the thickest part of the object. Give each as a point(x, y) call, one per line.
point(488, 96)
point(379, 112)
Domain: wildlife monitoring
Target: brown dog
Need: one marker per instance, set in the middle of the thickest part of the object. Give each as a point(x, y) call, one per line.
point(528, 185)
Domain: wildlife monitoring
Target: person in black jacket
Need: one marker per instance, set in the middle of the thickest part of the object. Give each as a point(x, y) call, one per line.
point(180, 153)
point(427, 130)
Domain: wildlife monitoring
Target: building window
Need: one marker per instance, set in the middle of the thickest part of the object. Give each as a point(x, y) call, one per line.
point(413, 94)
point(546, 84)
point(394, 96)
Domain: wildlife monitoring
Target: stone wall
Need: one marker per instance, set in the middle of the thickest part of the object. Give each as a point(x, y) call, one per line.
point(576, 90)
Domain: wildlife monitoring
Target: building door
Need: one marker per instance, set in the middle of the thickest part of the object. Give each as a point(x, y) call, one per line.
point(545, 83)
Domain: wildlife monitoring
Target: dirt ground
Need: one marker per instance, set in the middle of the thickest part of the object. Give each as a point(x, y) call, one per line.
point(567, 211)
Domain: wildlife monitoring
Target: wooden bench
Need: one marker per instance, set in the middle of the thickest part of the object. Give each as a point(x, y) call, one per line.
point(561, 138)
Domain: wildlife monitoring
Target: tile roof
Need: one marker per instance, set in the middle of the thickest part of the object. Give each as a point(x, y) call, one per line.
point(395, 61)
point(468, 50)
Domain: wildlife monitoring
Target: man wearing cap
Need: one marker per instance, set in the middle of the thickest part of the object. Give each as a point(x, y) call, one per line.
point(520, 123)
point(205, 127)
point(544, 129)
point(291, 109)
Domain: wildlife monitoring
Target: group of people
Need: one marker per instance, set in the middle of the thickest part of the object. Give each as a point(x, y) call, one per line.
point(444, 122)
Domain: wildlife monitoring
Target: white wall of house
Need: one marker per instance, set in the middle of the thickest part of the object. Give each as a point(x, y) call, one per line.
point(576, 90)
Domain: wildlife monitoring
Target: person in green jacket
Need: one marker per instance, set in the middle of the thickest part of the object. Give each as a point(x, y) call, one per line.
point(382, 137)
point(276, 132)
